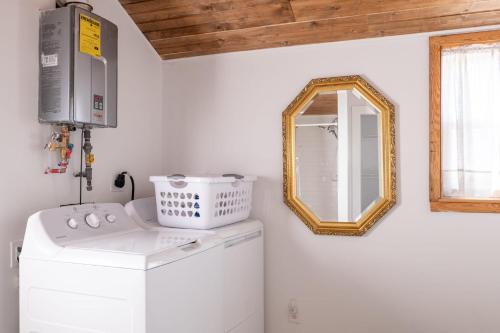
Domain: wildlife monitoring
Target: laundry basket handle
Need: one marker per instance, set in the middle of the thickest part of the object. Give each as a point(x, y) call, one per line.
point(235, 175)
point(177, 176)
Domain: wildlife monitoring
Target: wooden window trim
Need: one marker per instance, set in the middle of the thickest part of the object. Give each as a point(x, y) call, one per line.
point(437, 201)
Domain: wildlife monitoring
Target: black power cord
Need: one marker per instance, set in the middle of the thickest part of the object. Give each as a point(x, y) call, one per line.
point(120, 182)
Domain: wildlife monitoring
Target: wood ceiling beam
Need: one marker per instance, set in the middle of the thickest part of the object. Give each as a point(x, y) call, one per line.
point(307, 10)
point(323, 105)
point(184, 28)
point(234, 18)
point(315, 32)
point(168, 19)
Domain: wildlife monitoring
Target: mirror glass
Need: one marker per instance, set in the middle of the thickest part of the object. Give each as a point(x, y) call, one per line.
point(338, 159)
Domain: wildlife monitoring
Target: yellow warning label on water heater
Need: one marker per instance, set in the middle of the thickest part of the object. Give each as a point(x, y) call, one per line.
point(90, 36)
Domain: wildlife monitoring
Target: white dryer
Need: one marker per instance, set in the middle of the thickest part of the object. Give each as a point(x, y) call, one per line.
point(243, 268)
point(90, 268)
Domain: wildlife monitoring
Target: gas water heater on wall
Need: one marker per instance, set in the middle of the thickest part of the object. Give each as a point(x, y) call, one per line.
point(78, 78)
point(78, 67)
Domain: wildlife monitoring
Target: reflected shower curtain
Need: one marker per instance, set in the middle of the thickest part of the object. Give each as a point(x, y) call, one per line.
point(470, 121)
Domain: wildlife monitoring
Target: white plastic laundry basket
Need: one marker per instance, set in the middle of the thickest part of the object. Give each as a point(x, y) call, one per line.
point(202, 202)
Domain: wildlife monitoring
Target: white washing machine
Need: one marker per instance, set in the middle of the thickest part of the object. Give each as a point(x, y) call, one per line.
point(243, 268)
point(92, 269)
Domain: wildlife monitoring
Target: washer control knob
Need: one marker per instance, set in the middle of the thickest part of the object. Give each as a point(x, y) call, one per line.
point(111, 218)
point(92, 220)
point(72, 223)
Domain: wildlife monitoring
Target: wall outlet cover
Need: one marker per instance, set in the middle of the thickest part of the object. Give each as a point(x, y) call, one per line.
point(293, 311)
point(113, 188)
point(15, 250)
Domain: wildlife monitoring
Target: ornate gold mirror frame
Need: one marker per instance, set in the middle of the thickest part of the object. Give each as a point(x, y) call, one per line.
point(387, 197)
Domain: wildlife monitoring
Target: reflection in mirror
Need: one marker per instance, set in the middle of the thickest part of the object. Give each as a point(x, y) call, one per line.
point(338, 155)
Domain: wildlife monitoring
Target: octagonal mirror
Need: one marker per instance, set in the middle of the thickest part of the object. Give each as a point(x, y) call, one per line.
point(339, 156)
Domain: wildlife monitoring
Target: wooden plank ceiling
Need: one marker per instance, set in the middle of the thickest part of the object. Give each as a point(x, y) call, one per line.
point(323, 105)
point(185, 28)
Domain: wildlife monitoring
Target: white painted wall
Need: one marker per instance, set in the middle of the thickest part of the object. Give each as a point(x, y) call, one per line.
point(134, 146)
point(415, 271)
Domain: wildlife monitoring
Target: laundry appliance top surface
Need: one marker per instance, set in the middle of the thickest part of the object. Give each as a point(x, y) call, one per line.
point(103, 234)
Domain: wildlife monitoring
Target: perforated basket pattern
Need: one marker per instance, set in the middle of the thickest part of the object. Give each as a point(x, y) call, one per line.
point(182, 204)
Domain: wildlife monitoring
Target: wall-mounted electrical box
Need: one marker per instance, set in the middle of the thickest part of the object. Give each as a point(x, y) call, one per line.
point(78, 68)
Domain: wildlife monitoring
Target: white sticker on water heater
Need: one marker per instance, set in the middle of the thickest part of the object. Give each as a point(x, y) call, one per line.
point(49, 60)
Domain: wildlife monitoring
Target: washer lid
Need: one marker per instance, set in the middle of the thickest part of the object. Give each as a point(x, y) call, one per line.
point(139, 242)
point(138, 249)
point(103, 234)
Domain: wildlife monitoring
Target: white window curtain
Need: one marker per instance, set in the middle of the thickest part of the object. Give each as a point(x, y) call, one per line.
point(470, 121)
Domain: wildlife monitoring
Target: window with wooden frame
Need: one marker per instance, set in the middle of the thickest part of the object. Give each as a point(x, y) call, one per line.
point(465, 122)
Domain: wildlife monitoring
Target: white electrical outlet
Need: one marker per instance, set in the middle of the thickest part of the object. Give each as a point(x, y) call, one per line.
point(113, 188)
point(293, 311)
point(15, 250)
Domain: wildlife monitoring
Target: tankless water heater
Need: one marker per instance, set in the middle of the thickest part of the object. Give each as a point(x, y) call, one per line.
point(78, 68)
